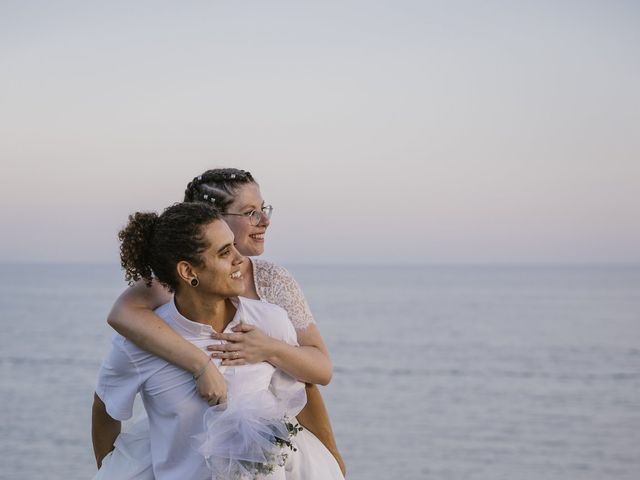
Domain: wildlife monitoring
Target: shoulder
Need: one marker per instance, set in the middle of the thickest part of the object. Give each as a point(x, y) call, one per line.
point(270, 272)
point(163, 311)
point(258, 312)
point(123, 348)
point(270, 318)
point(275, 284)
point(125, 354)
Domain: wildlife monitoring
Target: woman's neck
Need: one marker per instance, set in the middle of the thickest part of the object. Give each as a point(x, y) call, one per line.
point(250, 289)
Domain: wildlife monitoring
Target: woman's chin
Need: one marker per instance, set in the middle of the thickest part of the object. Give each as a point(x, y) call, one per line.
point(254, 250)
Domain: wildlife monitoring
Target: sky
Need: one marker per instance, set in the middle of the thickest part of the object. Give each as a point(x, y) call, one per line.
point(395, 132)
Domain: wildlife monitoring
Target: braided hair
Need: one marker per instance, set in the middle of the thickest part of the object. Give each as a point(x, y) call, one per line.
point(152, 245)
point(217, 187)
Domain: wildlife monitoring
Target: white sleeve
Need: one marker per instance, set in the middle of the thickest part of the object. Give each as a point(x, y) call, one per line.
point(118, 382)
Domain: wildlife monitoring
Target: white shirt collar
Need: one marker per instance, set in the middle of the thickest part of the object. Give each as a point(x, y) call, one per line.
point(201, 329)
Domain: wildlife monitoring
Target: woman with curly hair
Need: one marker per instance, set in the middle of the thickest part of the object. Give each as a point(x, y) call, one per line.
point(237, 195)
point(190, 250)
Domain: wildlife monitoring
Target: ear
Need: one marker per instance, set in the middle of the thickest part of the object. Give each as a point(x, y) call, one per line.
point(185, 271)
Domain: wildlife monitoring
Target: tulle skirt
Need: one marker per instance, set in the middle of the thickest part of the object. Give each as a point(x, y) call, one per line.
point(131, 458)
point(248, 437)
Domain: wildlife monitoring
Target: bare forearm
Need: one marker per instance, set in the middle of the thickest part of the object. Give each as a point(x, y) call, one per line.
point(309, 362)
point(151, 333)
point(132, 317)
point(104, 431)
point(306, 363)
point(315, 418)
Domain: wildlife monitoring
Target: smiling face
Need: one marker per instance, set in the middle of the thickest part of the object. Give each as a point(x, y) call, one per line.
point(219, 274)
point(249, 238)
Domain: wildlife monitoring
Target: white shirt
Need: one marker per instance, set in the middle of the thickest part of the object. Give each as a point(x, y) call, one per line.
point(169, 393)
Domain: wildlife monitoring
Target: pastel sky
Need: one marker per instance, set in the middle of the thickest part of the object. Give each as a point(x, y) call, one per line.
point(392, 132)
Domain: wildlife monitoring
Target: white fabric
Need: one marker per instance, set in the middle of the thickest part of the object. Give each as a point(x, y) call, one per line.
point(240, 436)
point(274, 284)
point(169, 395)
point(131, 459)
point(312, 460)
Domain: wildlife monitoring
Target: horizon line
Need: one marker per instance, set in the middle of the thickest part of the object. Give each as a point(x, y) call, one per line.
point(618, 264)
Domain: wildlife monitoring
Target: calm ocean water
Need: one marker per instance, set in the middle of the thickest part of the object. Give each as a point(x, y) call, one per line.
point(440, 372)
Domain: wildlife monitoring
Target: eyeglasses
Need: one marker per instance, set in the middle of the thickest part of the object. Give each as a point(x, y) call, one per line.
point(255, 216)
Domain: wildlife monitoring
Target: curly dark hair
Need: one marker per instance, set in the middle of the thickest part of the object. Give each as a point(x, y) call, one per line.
point(217, 187)
point(151, 245)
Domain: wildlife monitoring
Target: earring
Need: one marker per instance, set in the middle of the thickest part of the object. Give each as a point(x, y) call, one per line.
point(195, 282)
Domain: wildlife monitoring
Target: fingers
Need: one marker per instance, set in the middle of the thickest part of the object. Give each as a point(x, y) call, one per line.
point(213, 401)
point(243, 327)
point(233, 355)
point(233, 363)
point(229, 337)
point(215, 396)
point(225, 347)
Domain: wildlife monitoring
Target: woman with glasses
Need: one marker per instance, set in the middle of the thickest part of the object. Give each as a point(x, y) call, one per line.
point(237, 195)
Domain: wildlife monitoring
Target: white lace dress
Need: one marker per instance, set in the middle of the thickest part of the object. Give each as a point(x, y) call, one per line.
point(276, 285)
point(131, 457)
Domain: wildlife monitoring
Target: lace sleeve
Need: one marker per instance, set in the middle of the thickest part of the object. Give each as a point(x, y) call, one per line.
point(275, 284)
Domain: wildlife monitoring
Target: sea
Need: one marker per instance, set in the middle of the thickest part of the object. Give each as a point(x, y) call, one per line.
point(440, 372)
